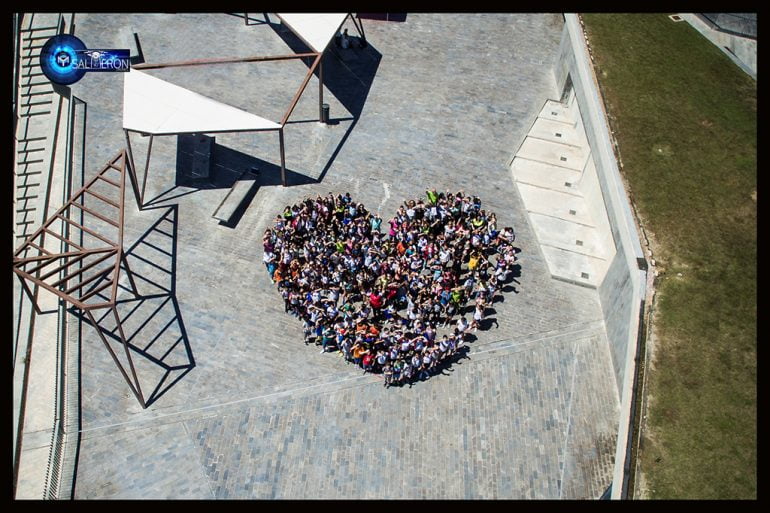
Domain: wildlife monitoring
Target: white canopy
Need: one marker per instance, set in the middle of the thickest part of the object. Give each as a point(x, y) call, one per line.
point(154, 106)
point(315, 29)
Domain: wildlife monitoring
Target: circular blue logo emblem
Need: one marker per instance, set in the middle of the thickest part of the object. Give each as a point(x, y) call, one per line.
point(59, 59)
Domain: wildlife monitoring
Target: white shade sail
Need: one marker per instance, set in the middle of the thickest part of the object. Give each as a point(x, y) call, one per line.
point(315, 29)
point(154, 106)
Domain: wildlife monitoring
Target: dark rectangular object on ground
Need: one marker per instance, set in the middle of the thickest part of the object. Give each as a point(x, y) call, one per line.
point(194, 158)
point(382, 16)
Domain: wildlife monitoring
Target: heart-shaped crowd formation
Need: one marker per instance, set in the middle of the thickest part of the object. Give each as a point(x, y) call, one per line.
point(381, 298)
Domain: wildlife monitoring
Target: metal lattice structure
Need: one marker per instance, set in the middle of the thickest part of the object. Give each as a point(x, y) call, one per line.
point(86, 273)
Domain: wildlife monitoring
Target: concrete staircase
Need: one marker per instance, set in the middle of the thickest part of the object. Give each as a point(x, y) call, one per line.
point(556, 178)
point(38, 157)
point(38, 112)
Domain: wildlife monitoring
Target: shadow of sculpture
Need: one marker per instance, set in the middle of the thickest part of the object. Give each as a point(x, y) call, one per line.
point(348, 75)
point(152, 321)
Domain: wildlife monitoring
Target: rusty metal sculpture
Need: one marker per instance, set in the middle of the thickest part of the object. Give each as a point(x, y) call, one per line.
point(86, 273)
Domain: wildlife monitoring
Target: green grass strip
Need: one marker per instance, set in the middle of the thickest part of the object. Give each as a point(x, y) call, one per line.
point(685, 118)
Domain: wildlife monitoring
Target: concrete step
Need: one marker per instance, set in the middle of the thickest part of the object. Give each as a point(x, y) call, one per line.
point(26, 196)
point(29, 133)
point(22, 223)
point(35, 113)
point(28, 30)
point(556, 111)
point(555, 204)
point(30, 60)
point(34, 45)
point(31, 186)
point(28, 150)
point(547, 176)
point(37, 102)
point(38, 91)
point(38, 34)
point(573, 267)
point(28, 170)
point(558, 132)
point(552, 153)
point(28, 161)
point(30, 140)
point(30, 65)
point(32, 83)
point(39, 20)
point(27, 189)
point(574, 237)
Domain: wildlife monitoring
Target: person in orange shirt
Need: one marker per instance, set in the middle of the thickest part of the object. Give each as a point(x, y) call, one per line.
point(359, 351)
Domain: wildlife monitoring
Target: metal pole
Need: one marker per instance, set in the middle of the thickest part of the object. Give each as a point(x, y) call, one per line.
point(131, 172)
point(320, 90)
point(146, 167)
point(360, 30)
point(283, 157)
point(32, 297)
point(301, 89)
point(224, 60)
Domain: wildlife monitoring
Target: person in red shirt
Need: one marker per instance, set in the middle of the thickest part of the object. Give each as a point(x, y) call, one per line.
point(368, 361)
point(376, 300)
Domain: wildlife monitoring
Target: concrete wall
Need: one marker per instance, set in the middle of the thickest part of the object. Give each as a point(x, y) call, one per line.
point(742, 50)
point(590, 187)
point(623, 289)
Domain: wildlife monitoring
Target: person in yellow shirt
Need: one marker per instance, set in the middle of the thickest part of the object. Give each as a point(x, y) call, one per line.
point(473, 262)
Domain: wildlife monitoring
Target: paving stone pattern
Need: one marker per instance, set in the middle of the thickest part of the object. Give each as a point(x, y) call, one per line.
point(240, 407)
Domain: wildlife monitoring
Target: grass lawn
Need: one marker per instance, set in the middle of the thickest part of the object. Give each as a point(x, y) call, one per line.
point(685, 118)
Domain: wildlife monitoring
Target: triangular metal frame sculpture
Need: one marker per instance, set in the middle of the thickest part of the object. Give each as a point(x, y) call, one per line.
point(85, 273)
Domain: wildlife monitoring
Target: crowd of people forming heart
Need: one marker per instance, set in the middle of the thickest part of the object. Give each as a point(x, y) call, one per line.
point(379, 297)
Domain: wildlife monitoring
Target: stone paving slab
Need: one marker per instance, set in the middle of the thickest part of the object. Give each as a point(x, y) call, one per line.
point(285, 446)
point(254, 413)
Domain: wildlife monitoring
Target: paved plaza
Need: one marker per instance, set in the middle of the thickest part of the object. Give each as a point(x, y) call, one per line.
point(239, 407)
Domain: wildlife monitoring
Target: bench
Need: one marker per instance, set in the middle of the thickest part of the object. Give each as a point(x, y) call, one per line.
point(235, 197)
